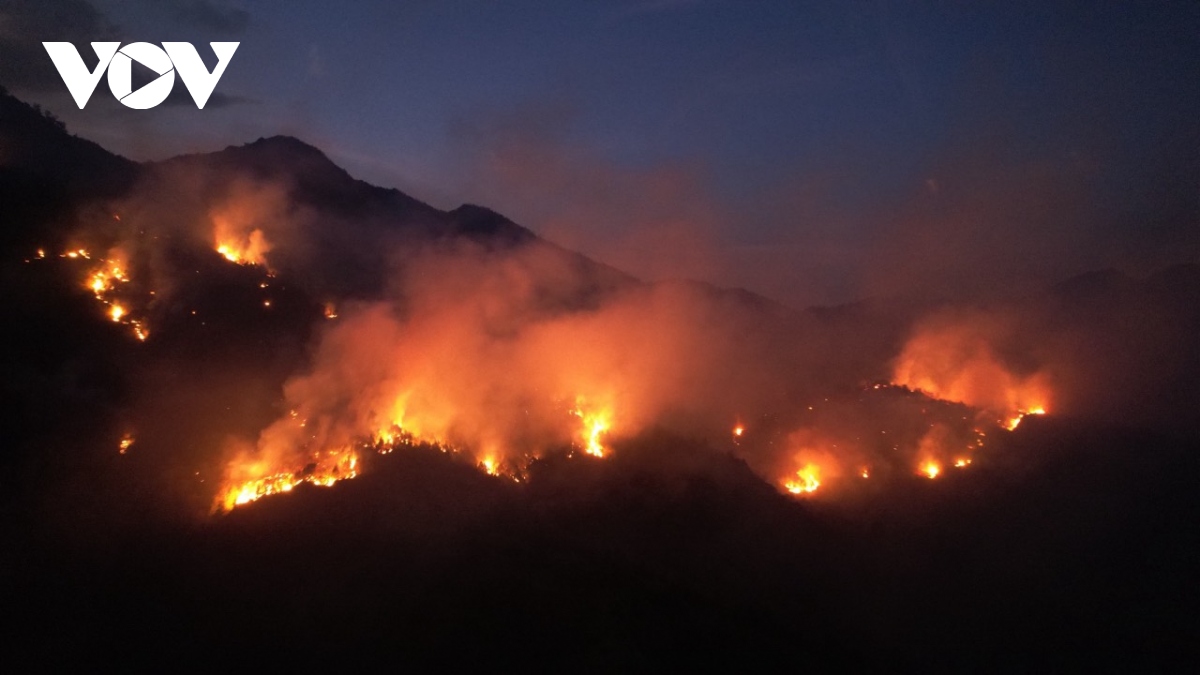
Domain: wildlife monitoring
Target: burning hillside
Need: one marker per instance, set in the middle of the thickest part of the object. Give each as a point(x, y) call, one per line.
point(487, 353)
point(462, 332)
point(377, 417)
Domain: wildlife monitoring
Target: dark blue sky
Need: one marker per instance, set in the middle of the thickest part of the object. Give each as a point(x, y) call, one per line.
point(811, 151)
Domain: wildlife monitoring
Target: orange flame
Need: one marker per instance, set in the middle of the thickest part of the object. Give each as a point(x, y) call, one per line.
point(249, 481)
point(807, 480)
point(595, 425)
point(930, 469)
point(243, 249)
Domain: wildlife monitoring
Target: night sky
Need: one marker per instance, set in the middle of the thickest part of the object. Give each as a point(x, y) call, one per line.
point(813, 152)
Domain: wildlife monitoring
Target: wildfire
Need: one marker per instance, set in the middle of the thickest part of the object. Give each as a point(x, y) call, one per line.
point(959, 363)
point(125, 444)
point(322, 471)
point(807, 480)
point(595, 425)
point(930, 469)
point(490, 466)
point(1015, 420)
point(106, 282)
point(248, 249)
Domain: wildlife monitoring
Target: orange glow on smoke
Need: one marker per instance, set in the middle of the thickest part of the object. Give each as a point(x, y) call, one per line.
point(958, 363)
point(249, 248)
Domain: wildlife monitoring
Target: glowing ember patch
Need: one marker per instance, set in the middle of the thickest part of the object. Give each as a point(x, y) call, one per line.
point(739, 430)
point(125, 444)
point(960, 463)
point(490, 466)
point(330, 311)
point(807, 480)
point(116, 312)
point(865, 473)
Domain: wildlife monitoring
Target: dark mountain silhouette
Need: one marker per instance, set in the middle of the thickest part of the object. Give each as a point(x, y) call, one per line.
point(1073, 547)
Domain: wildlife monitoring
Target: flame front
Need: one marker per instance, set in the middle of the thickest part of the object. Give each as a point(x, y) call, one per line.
point(108, 283)
point(249, 481)
point(959, 363)
point(250, 248)
point(930, 469)
point(595, 425)
point(807, 480)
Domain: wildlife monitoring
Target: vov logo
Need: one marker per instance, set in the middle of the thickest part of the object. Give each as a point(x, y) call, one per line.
point(171, 58)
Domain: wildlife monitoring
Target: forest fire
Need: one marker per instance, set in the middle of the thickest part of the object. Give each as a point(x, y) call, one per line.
point(958, 361)
point(109, 283)
point(481, 371)
point(930, 469)
point(436, 401)
point(252, 480)
point(806, 481)
point(595, 426)
point(1013, 422)
point(250, 249)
